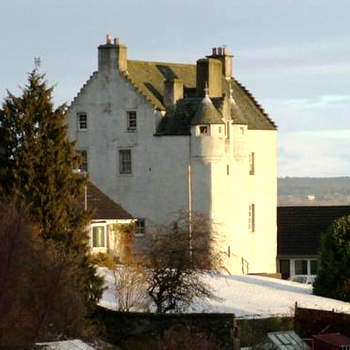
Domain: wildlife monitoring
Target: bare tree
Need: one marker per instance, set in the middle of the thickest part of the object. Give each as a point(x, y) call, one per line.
point(180, 255)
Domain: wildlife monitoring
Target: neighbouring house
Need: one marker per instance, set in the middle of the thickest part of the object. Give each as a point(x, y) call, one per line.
point(299, 231)
point(107, 216)
point(161, 137)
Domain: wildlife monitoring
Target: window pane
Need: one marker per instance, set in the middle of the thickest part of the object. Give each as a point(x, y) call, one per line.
point(98, 236)
point(203, 130)
point(301, 267)
point(82, 121)
point(313, 267)
point(84, 161)
point(132, 121)
point(125, 161)
point(251, 163)
point(251, 217)
point(140, 226)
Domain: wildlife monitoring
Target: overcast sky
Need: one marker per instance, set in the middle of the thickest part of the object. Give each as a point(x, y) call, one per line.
point(293, 55)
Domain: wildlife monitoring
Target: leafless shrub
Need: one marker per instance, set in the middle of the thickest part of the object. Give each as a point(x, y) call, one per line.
point(130, 288)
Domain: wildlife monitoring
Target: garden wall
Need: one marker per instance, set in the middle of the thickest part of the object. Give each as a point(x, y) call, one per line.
point(144, 329)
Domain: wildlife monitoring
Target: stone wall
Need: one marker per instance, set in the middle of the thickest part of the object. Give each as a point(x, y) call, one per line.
point(125, 328)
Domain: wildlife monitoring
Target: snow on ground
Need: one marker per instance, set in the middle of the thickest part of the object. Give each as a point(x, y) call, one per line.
point(249, 296)
point(75, 344)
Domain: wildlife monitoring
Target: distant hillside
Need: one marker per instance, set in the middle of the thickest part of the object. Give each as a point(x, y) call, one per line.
point(314, 191)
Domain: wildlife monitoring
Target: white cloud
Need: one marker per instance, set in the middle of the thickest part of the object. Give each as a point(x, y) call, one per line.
point(314, 153)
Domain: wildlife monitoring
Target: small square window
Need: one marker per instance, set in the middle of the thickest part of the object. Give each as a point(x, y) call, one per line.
point(131, 121)
point(204, 130)
point(125, 161)
point(251, 217)
point(140, 227)
point(82, 121)
point(98, 237)
point(84, 161)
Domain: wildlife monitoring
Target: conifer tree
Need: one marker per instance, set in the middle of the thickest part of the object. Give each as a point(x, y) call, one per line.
point(333, 278)
point(38, 165)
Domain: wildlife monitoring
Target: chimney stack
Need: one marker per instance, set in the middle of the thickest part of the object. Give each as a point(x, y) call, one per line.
point(209, 71)
point(222, 54)
point(112, 56)
point(173, 91)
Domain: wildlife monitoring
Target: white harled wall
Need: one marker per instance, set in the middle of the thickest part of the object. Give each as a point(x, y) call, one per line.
point(223, 187)
point(159, 164)
point(158, 186)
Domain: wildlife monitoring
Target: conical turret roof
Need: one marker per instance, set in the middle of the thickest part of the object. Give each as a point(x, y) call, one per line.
point(207, 113)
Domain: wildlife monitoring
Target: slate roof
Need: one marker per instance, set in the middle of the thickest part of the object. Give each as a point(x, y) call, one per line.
point(236, 114)
point(148, 79)
point(206, 113)
point(299, 228)
point(102, 206)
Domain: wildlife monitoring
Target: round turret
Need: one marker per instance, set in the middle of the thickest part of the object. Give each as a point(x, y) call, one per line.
point(207, 130)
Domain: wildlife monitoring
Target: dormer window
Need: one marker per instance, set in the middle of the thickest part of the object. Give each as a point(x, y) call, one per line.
point(131, 121)
point(82, 121)
point(204, 130)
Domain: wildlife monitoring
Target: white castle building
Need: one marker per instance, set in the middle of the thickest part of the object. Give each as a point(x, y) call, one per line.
point(162, 137)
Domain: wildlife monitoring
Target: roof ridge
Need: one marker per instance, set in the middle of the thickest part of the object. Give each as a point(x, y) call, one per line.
point(166, 63)
point(92, 76)
point(256, 103)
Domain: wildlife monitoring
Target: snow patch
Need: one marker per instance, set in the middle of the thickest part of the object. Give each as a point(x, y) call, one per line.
point(247, 296)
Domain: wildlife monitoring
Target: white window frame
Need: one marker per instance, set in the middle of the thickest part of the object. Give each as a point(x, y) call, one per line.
point(140, 227)
point(80, 122)
point(99, 224)
point(131, 121)
point(123, 168)
point(251, 217)
point(308, 260)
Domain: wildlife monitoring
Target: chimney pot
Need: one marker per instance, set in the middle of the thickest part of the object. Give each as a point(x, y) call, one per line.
point(220, 51)
point(111, 57)
point(214, 51)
